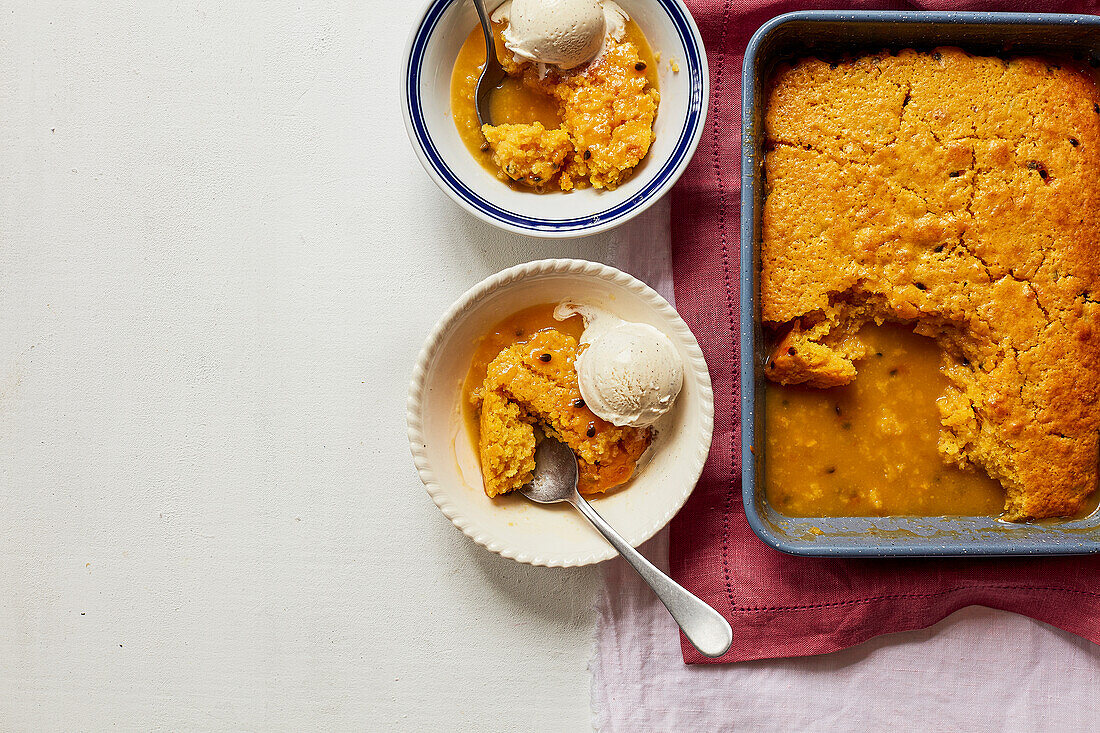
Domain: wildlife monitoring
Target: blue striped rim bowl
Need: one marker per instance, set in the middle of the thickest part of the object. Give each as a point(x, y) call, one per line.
point(429, 59)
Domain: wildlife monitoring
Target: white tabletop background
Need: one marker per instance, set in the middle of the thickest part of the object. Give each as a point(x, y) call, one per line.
point(218, 259)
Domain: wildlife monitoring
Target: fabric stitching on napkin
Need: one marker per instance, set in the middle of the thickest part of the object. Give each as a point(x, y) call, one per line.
point(721, 211)
point(895, 596)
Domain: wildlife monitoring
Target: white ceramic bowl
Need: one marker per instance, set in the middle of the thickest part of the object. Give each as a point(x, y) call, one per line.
point(425, 102)
point(511, 525)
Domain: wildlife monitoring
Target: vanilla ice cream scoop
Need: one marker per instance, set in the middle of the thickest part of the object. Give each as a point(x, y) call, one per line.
point(629, 373)
point(562, 33)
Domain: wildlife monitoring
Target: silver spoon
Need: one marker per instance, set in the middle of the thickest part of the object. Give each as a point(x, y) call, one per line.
point(492, 74)
point(556, 480)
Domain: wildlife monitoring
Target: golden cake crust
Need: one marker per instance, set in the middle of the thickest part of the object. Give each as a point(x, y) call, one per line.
point(962, 194)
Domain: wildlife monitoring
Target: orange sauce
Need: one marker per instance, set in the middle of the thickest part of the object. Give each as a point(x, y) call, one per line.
point(869, 448)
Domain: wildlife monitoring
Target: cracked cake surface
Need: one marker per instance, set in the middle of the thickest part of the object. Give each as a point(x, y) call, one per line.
point(959, 194)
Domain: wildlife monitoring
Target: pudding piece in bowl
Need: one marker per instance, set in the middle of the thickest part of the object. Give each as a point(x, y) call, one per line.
point(576, 110)
point(532, 386)
point(528, 153)
point(507, 453)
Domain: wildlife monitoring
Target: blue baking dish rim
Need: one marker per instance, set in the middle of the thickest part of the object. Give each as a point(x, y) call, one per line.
point(758, 524)
point(683, 145)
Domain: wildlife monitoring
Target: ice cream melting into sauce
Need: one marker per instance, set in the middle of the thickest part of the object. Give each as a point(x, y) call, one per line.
point(629, 373)
point(561, 33)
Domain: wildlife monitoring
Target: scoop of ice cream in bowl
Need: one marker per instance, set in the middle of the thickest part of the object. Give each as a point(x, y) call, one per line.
point(562, 33)
point(629, 373)
point(648, 424)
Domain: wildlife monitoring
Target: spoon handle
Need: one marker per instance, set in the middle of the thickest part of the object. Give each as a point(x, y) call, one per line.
point(702, 625)
point(486, 27)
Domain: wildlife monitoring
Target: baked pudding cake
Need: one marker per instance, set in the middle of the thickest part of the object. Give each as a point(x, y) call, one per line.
point(578, 373)
point(960, 195)
point(534, 383)
point(561, 128)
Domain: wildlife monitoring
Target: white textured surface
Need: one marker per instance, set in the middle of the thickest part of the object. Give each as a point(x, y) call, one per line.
point(218, 259)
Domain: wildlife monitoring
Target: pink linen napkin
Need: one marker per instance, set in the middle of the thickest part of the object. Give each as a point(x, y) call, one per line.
point(779, 605)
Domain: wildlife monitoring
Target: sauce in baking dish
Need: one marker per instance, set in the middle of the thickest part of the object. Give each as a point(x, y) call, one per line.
point(869, 448)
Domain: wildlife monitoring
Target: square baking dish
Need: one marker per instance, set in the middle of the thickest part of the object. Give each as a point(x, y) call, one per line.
point(830, 32)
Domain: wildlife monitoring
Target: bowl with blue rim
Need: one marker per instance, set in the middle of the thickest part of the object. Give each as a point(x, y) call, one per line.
point(683, 82)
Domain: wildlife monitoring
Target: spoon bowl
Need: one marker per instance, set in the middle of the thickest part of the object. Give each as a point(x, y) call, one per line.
point(555, 476)
point(555, 480)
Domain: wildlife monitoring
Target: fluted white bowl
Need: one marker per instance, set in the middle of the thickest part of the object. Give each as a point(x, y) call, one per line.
point(447, 460)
